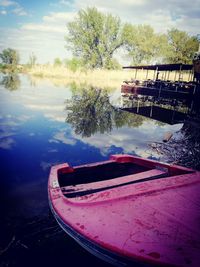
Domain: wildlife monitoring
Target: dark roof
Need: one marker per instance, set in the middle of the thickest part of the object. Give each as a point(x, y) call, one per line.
point(163, 67)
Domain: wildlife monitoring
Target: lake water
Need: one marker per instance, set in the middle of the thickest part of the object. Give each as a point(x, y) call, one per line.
point(43, 124)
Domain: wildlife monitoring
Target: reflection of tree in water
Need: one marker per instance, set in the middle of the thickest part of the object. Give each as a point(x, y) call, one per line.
point(90, 111)
point(11, 82)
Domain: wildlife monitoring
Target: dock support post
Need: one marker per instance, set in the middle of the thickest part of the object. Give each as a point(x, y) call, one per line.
point(168, 75)
point(175, 76)
point(138, 106)
point(147, 74)
point(135, 74)
point(180, 73)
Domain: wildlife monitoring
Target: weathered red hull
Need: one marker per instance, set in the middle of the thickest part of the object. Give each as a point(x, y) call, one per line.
point(149, 217)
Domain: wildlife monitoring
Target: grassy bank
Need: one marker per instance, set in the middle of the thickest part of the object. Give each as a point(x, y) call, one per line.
point(99, 78)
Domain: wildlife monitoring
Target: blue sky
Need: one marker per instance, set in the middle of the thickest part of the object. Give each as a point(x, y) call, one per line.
point(39, 26)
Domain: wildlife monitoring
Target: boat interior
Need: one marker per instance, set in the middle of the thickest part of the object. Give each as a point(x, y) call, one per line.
point(92, 178)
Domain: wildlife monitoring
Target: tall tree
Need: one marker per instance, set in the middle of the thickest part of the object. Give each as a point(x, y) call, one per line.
point(143, 44)
point(181, 47)
point(9, 56)
point(94, 37)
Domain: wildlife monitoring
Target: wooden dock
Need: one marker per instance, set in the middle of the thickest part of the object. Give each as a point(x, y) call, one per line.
point(157, 92)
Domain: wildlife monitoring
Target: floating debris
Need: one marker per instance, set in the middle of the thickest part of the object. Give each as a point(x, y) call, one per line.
point(183, 148)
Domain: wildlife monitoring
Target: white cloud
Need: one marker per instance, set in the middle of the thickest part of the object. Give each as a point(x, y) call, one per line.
point(12, 7)
point(7, 3)
point(19, 11)
point(3, 12)
point(64, 138)
point(6, 134)
point(45, 42)
point(42, 28)
point(65, 3)
point(9, 128)
point(44, 107)
point(159, 14)
point(132, 140)
point(52, 108)
point(54, 22)
point(133, 2)
point(7, 143)
point(55, 117)
point(60, 17)
point(45, 39)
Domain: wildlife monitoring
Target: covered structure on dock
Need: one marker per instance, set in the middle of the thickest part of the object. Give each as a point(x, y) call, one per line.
point(166, 69)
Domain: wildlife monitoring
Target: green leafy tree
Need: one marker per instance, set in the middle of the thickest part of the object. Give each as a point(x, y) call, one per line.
point(9, 56)
point(57, 62)
point(94, 37)
point(181, 47)
point(74, 64)
point(113, 64)
point(143, 44)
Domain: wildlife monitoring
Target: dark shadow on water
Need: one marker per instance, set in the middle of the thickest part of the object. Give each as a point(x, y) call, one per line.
point(41, 242)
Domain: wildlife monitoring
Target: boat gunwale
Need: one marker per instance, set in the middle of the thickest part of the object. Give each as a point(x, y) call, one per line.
point(115, 193)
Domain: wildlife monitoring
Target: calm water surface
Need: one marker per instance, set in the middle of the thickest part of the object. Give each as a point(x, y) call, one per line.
point(42, 124)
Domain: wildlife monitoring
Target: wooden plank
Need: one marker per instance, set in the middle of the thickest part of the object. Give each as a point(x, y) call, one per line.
point(124, 180)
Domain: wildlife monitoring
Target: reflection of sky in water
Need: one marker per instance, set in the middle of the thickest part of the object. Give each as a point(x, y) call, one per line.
point(34, 136)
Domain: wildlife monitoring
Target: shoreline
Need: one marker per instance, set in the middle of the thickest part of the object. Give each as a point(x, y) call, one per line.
point(97, 77)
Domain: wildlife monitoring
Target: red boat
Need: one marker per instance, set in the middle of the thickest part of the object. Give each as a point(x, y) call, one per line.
point(130, 210)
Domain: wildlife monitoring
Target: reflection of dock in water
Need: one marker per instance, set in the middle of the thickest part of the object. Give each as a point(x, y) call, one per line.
point(164, 115)
point(163, 109)
point(162, 100)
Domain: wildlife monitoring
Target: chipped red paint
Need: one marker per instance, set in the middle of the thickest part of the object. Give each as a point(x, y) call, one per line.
point(153, 221)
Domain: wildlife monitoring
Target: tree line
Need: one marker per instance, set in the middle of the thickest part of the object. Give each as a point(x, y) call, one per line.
point(95, 37)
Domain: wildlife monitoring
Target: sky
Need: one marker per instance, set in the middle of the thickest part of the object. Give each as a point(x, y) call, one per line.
point(39, 26)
